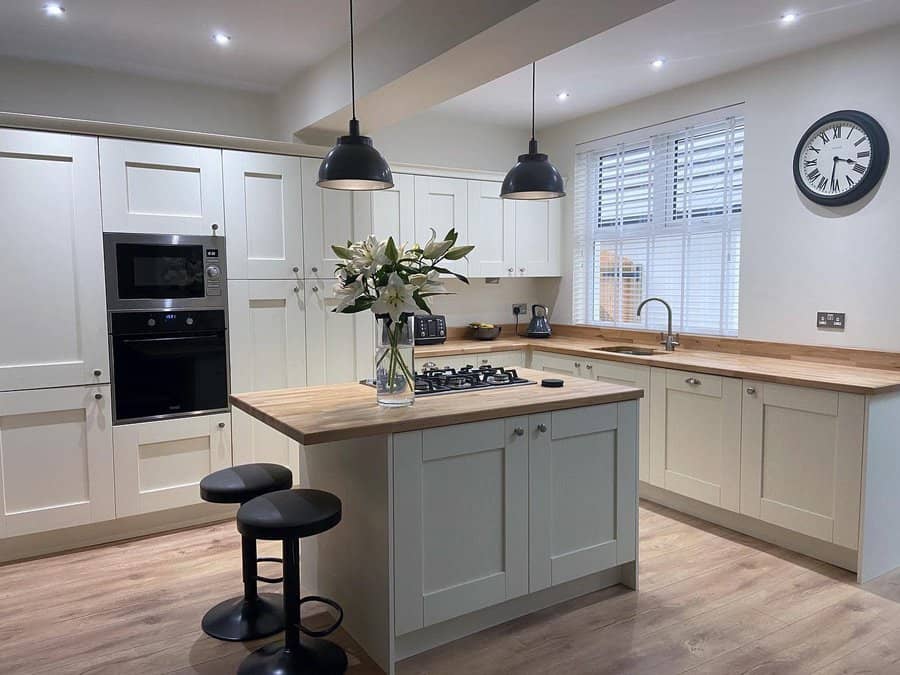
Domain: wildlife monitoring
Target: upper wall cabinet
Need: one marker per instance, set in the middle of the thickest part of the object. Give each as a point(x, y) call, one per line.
point(161, 188)
point(441, 204)
point(54, 328)
point(262, 213)
point(538, 233)
point(393, 211)
point(492, 229)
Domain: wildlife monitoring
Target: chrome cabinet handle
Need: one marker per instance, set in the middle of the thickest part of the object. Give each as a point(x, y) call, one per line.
point(542, 428)
point(215, 226)
point(751, 390)
point(315, 289)
point(98, 396)
point(221, 425)
point(589, 366)
point(484, 360)
point(296, 289)
point(97, 372)
point(693, 381)
point(522, 270)
point(295, 269)
point(510, 270)
point(315, 269)
point(578, 364)
point(519, 431)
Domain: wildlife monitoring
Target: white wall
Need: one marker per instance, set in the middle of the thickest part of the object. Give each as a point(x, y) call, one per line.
point(493, 303)
point(797, 257)
point(41, 88)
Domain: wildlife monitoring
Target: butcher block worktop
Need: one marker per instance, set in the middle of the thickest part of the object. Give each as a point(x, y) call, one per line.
point(339, 412)
point(790, 369)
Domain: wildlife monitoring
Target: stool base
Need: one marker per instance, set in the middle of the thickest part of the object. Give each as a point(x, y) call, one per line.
point(238, 619)
point(312, 657)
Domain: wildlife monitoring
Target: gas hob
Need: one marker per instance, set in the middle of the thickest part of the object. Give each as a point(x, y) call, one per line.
point(432, 381)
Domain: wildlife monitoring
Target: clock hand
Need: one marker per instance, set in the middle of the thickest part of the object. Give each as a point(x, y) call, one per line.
point(833, 167)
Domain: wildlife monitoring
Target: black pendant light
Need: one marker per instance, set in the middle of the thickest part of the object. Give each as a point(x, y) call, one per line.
point(533, 176)
point(354, 163)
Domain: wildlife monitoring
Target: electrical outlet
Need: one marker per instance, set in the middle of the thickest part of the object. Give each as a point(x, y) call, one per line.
point(520, 309)
point(835, 320)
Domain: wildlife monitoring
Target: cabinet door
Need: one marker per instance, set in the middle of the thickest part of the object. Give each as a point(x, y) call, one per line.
point(340, 347)
point(551, 363)
point(634, 376)
point(441, 205)
point(56, 459)
point(262, 212)
point(499, 359)
point(538, 232)
point(460, 519)
point(492, 230)
point(583, 492)
point(695, 436)
point(268, 351)
point(159, 465)
point(801, 459)
point(392, 212)
point(161, 188)
point(53, 301)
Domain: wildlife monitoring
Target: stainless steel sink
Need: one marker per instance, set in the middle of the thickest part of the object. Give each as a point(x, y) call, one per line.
point(629, 349)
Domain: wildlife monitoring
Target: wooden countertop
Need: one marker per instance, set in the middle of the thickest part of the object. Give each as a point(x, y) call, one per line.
point(338, 412)
point(836, 377)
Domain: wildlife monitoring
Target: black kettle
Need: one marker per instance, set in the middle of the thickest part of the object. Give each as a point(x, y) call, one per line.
point(539, 326)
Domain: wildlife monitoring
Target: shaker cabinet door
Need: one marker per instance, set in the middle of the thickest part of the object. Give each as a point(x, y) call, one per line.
point(492, 230)
point(53, 299)
point(161, 188)
point(441, 205)
point(538, 226)
point(340, 347)
point(262, 213)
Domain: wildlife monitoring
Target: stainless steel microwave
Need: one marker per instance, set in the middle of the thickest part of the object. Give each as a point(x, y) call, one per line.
point(164, 271)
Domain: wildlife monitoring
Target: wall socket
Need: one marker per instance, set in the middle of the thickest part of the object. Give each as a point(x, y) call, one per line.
point(520, 309)
point(835, 320)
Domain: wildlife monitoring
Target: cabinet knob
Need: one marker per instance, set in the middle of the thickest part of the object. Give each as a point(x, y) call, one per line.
point(315, 269)
point(578, 364)
point(484, 361)
point(542, 428)
point(315, 289)
point(693, 381)
point(98, 396)
point(97, 372)
point(510, 270)
point(215, 226)
point(589, 366)
point(519, 431)
point(296, 289)
point(522, 270)
point(221, 425)
point(751, 390)
point(295, 269)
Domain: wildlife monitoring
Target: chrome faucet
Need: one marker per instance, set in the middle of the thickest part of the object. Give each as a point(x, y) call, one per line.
point(670, 340)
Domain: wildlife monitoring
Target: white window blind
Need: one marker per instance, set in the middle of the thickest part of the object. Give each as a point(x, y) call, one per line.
point(658, 213)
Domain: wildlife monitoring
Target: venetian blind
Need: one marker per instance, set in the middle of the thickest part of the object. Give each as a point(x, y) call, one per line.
point(658, 213)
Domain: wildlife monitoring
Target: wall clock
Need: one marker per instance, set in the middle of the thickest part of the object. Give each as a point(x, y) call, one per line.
point(840, 158)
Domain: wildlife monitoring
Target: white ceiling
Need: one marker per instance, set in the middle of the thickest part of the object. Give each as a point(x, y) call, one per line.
point(272, 40)
point(698, 38)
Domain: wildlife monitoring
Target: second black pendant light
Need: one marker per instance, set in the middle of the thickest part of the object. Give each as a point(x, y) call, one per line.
point(354, 163)
point(533, 176)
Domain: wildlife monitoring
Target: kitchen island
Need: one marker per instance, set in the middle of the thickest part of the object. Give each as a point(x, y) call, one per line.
point(466, 509)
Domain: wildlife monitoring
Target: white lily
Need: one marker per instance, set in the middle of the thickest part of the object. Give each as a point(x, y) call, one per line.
point(368, 255)
point(428, 283)
point(348, 294)
point(435, 249)
point(395, 299)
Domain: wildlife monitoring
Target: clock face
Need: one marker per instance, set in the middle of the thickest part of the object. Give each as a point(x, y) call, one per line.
point(840, 158)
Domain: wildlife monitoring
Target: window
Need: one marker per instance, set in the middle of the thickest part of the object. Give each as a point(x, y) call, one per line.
point(658, 213)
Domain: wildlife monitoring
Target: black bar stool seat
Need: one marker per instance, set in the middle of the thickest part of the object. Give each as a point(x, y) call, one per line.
point(290, 515)
point(253, 615)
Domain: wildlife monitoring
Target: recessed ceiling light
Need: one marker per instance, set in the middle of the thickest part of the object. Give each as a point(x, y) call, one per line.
point(789, 17)
point(54, 9)
point(658, 62)
point(562, 96)
point(222, 39)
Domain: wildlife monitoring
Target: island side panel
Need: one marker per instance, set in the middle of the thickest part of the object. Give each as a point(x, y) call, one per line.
point(627, 443)
point(351, 563)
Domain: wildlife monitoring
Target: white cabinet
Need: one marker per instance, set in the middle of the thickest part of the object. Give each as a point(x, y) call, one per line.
point(559, 363)
point(56, 459)
point(461, 520)
point(538, 231)
point(492, 230)
point(159, 465)
point(268, 351)
point(262, 213)
point(801, 457)
point(340, 347)
point(441, 205)
point(634, 376)
point(53, 332)
point(695, 436)
point(583, 492)
point(392, 211)
point(161, 188)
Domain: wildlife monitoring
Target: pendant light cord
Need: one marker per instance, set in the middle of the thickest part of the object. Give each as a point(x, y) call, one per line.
point(352, 69)
point(532, 100)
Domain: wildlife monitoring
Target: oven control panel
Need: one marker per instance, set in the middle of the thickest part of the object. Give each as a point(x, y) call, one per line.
point(181, 321)
point(213, 271)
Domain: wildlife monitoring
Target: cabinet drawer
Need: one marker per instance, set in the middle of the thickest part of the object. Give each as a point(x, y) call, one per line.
point(694, 383)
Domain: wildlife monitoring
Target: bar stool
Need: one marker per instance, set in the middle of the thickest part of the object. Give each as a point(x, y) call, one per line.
point(288, 516)
point(252, 615)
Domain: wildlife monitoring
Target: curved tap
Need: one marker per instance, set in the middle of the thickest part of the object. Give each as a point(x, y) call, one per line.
point(670, 341)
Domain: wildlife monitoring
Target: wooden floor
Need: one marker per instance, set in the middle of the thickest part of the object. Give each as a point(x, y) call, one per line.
point(711, 601)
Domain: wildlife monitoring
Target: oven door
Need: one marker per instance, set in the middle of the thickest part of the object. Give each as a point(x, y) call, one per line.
point(171, 375)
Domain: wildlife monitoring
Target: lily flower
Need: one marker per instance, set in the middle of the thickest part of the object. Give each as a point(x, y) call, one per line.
point(435, 249)
point(347, 294)
point(428, 283)
point(395, 299)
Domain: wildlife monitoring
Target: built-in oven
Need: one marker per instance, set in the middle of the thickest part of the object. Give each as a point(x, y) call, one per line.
point(163, 271)
point(169, 363)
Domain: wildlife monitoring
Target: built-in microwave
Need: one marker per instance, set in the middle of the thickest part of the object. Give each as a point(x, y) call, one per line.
point(164, 271)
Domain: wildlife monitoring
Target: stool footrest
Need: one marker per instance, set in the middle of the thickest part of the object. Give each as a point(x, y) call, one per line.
point(269, 580)
point(325, 631)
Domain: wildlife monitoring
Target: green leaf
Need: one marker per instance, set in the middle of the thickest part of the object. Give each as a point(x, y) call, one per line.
point(451, 235)
point(342, 252)
point(391, 250)
point(420, 302)
point(458, 252)
point(362, 304)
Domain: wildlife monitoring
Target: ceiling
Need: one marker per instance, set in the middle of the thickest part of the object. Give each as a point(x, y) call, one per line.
point(698, 38)
point(272, 40)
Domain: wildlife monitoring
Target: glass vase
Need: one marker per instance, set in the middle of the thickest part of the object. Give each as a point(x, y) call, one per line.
point(394, 375)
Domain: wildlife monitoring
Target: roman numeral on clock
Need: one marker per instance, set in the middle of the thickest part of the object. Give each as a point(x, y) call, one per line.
point(824, 136)
point(850, 182)
point(859, 141)
point(808, 163)
point(822, 183)
point(836, 131)
point(864, 153)
point(813, 175)
point(835, 185)
point(859, 168)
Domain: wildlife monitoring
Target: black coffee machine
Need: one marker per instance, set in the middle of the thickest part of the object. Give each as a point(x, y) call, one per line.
point(539, 326)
